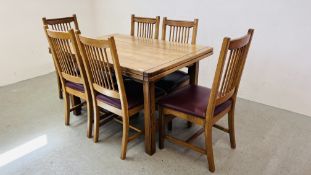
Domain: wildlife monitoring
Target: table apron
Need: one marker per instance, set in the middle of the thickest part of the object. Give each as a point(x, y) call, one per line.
point(173, 69)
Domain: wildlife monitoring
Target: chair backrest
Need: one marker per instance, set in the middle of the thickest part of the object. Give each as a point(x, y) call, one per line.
point(101, 63)
point(62, 24)
point(180, 31)
point(229, 70)
point(145, 27)
point(66, 55)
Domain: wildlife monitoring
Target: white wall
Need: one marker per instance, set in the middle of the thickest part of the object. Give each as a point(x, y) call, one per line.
point(23, 45)
point(278, 70)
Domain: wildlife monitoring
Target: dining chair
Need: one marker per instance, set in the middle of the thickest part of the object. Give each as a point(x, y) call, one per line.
point(204, 106)
point(145, 27)
point(70, 69)
point(123, 97)
point(182, 32)
point(61, 24)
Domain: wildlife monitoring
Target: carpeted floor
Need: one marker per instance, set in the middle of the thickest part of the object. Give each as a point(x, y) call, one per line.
point(269, 140)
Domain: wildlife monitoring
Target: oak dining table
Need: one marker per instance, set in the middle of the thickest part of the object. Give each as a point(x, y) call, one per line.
point(147, 61)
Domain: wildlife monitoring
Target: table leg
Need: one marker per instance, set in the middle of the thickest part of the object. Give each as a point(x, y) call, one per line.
point(149, 117)
point(194, 75)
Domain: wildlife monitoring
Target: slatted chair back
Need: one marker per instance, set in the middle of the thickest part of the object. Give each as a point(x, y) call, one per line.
point(101, 62)
point(62, 24)
point(145, 27)
point(229, 70)
point(180, 31)
point(66, 54)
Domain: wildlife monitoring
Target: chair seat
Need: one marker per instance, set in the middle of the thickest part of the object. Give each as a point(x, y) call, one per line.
point(79, 87)
point(133, 90)
point(192, 100)
point(75, 86)
point(172, 81)
point(134, 94)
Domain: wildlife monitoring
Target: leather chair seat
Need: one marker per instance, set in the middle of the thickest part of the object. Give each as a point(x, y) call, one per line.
point(170, 82)
point(75, 86)
point(133, 90)
point(192, 100)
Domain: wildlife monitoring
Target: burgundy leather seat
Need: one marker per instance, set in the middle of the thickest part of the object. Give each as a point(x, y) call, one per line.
point(172, 81)
point(79, 87)
point(192, 100)
point(133, 90)
point(75, 86)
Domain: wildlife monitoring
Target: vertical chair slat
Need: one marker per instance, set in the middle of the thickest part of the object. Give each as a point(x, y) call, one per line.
point(91, 63)
point(73, 64)
point(63, 56)
point(109, 69)
point(98, 67)
point(232, 67)
point(171, 33)
point(227, 70)
point(241, 62)
point(225, 74)
point(180, 30)
point(146, 27)
point(61, 26)
point(235, 64)
point(103, 68)
point(137, 33)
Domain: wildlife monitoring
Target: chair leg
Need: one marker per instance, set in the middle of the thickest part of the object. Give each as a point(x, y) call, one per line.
point(125, 137)
point(67, 108)
point(60, 89)
point(170, 125)
point(96, 123)
point(231, 128)
point(89, 118)
point(161, 128)
point(209, 148)
point(75, 101)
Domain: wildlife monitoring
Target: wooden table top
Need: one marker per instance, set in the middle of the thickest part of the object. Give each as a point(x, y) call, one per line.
point(148, 58)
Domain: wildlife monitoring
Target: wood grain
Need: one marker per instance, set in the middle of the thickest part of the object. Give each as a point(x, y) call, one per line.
point(162, 56)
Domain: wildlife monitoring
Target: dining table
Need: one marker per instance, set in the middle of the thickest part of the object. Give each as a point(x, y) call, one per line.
point(147, 61)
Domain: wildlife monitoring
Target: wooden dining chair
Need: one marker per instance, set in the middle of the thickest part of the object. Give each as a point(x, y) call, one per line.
point(182, 32)
point(123, 97)
point(61, 24)
point(204, 106)
point(145, 27)
point(70, 69)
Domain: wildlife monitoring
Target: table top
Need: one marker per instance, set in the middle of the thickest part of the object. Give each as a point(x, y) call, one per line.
point(142, 58)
